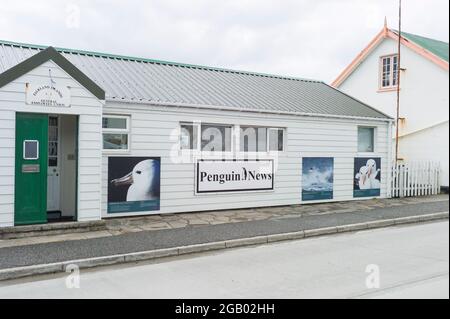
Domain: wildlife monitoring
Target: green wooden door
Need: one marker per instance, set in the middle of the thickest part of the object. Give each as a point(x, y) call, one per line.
point(30, 204)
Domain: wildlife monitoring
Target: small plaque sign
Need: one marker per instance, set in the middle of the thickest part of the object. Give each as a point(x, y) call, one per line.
point(31, 168)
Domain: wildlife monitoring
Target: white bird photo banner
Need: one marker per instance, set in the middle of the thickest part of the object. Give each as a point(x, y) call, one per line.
point(133, 184)
point(367, 177)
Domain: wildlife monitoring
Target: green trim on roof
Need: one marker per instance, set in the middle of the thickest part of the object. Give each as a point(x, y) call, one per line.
point(51, 54)
point(438, 48)
point(145, 60)
point(267, 94)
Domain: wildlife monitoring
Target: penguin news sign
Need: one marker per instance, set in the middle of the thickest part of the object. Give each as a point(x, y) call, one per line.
point(47, 95)
point(133, 184)
point(216, 176)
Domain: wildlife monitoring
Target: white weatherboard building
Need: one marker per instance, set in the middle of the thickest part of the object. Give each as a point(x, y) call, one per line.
point(424, 92)
point(85, 136)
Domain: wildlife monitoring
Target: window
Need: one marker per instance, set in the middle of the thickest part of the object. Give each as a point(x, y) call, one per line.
point(188, 136)
point(276, 139)
point(366, 139)
point(389, 71)
point(253, 139)
point(115, 132)
point(53, 141)
point(30, 150)
point(216, 138)
point(395, 70)
point(261, 139)
point(206, 137)
point(115, 122)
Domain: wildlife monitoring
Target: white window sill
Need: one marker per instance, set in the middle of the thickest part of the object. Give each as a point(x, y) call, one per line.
point(387, 89)
point(229, 154)
point(197, 153)
point(368, 154)
point(108, 152)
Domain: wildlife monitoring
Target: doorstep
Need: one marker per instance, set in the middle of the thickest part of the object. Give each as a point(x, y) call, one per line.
point(14, 232)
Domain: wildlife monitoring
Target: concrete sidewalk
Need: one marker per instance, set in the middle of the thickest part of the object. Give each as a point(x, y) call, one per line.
point(125, 225)
point(280, 220)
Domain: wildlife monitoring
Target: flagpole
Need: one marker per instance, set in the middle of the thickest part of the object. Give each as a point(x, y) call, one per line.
point(398, 80)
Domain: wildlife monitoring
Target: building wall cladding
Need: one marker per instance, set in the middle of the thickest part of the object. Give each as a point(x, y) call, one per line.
point(154, 133)
point(7, 145)
point(84, 104)
point(424, 100)
point(417, 147)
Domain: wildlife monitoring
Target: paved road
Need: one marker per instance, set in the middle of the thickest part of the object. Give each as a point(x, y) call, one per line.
point(148, 240)
point(413, 262)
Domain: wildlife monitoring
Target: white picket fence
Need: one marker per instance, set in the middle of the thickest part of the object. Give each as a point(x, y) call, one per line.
point(415, 179)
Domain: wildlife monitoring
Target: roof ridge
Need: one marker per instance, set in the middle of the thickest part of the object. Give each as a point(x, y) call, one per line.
point(421, 36)
point(154, 61)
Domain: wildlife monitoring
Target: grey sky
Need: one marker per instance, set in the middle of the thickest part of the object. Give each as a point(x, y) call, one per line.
point(303, 38)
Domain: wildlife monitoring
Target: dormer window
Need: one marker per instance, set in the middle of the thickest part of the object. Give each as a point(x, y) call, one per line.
point(389, 71)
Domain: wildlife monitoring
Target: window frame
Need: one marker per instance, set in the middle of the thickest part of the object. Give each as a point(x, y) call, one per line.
point(58, 140)
point(232, 139)
point(283, 130)
point(198, 147)
point(36, 142)
point(392, 72)
point(126, 131)
point(241, 151)
point(239, 147)
point(236, 147)
point(375, 132)
point(197, 127)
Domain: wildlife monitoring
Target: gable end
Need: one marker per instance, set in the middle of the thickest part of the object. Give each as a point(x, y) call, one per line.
point(51, 54)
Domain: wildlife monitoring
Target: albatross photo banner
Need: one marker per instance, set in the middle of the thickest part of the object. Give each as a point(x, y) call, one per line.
point(133, 184)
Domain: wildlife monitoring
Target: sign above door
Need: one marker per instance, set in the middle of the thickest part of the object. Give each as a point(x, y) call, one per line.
point(47, 95)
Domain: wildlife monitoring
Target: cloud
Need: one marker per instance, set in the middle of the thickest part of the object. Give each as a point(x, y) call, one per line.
point(311, 39)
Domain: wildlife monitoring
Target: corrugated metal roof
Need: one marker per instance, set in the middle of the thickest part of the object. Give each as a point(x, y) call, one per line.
point(439, 48)
point(144, 80)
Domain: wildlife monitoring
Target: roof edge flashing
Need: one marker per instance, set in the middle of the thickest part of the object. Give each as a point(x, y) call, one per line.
point(47, 54)
point(359, 101)
point(236, 109)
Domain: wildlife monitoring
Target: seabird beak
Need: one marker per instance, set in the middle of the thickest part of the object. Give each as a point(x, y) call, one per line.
point(125, 180)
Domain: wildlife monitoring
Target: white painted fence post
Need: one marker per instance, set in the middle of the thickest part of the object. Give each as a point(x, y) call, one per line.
point(415, 179)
